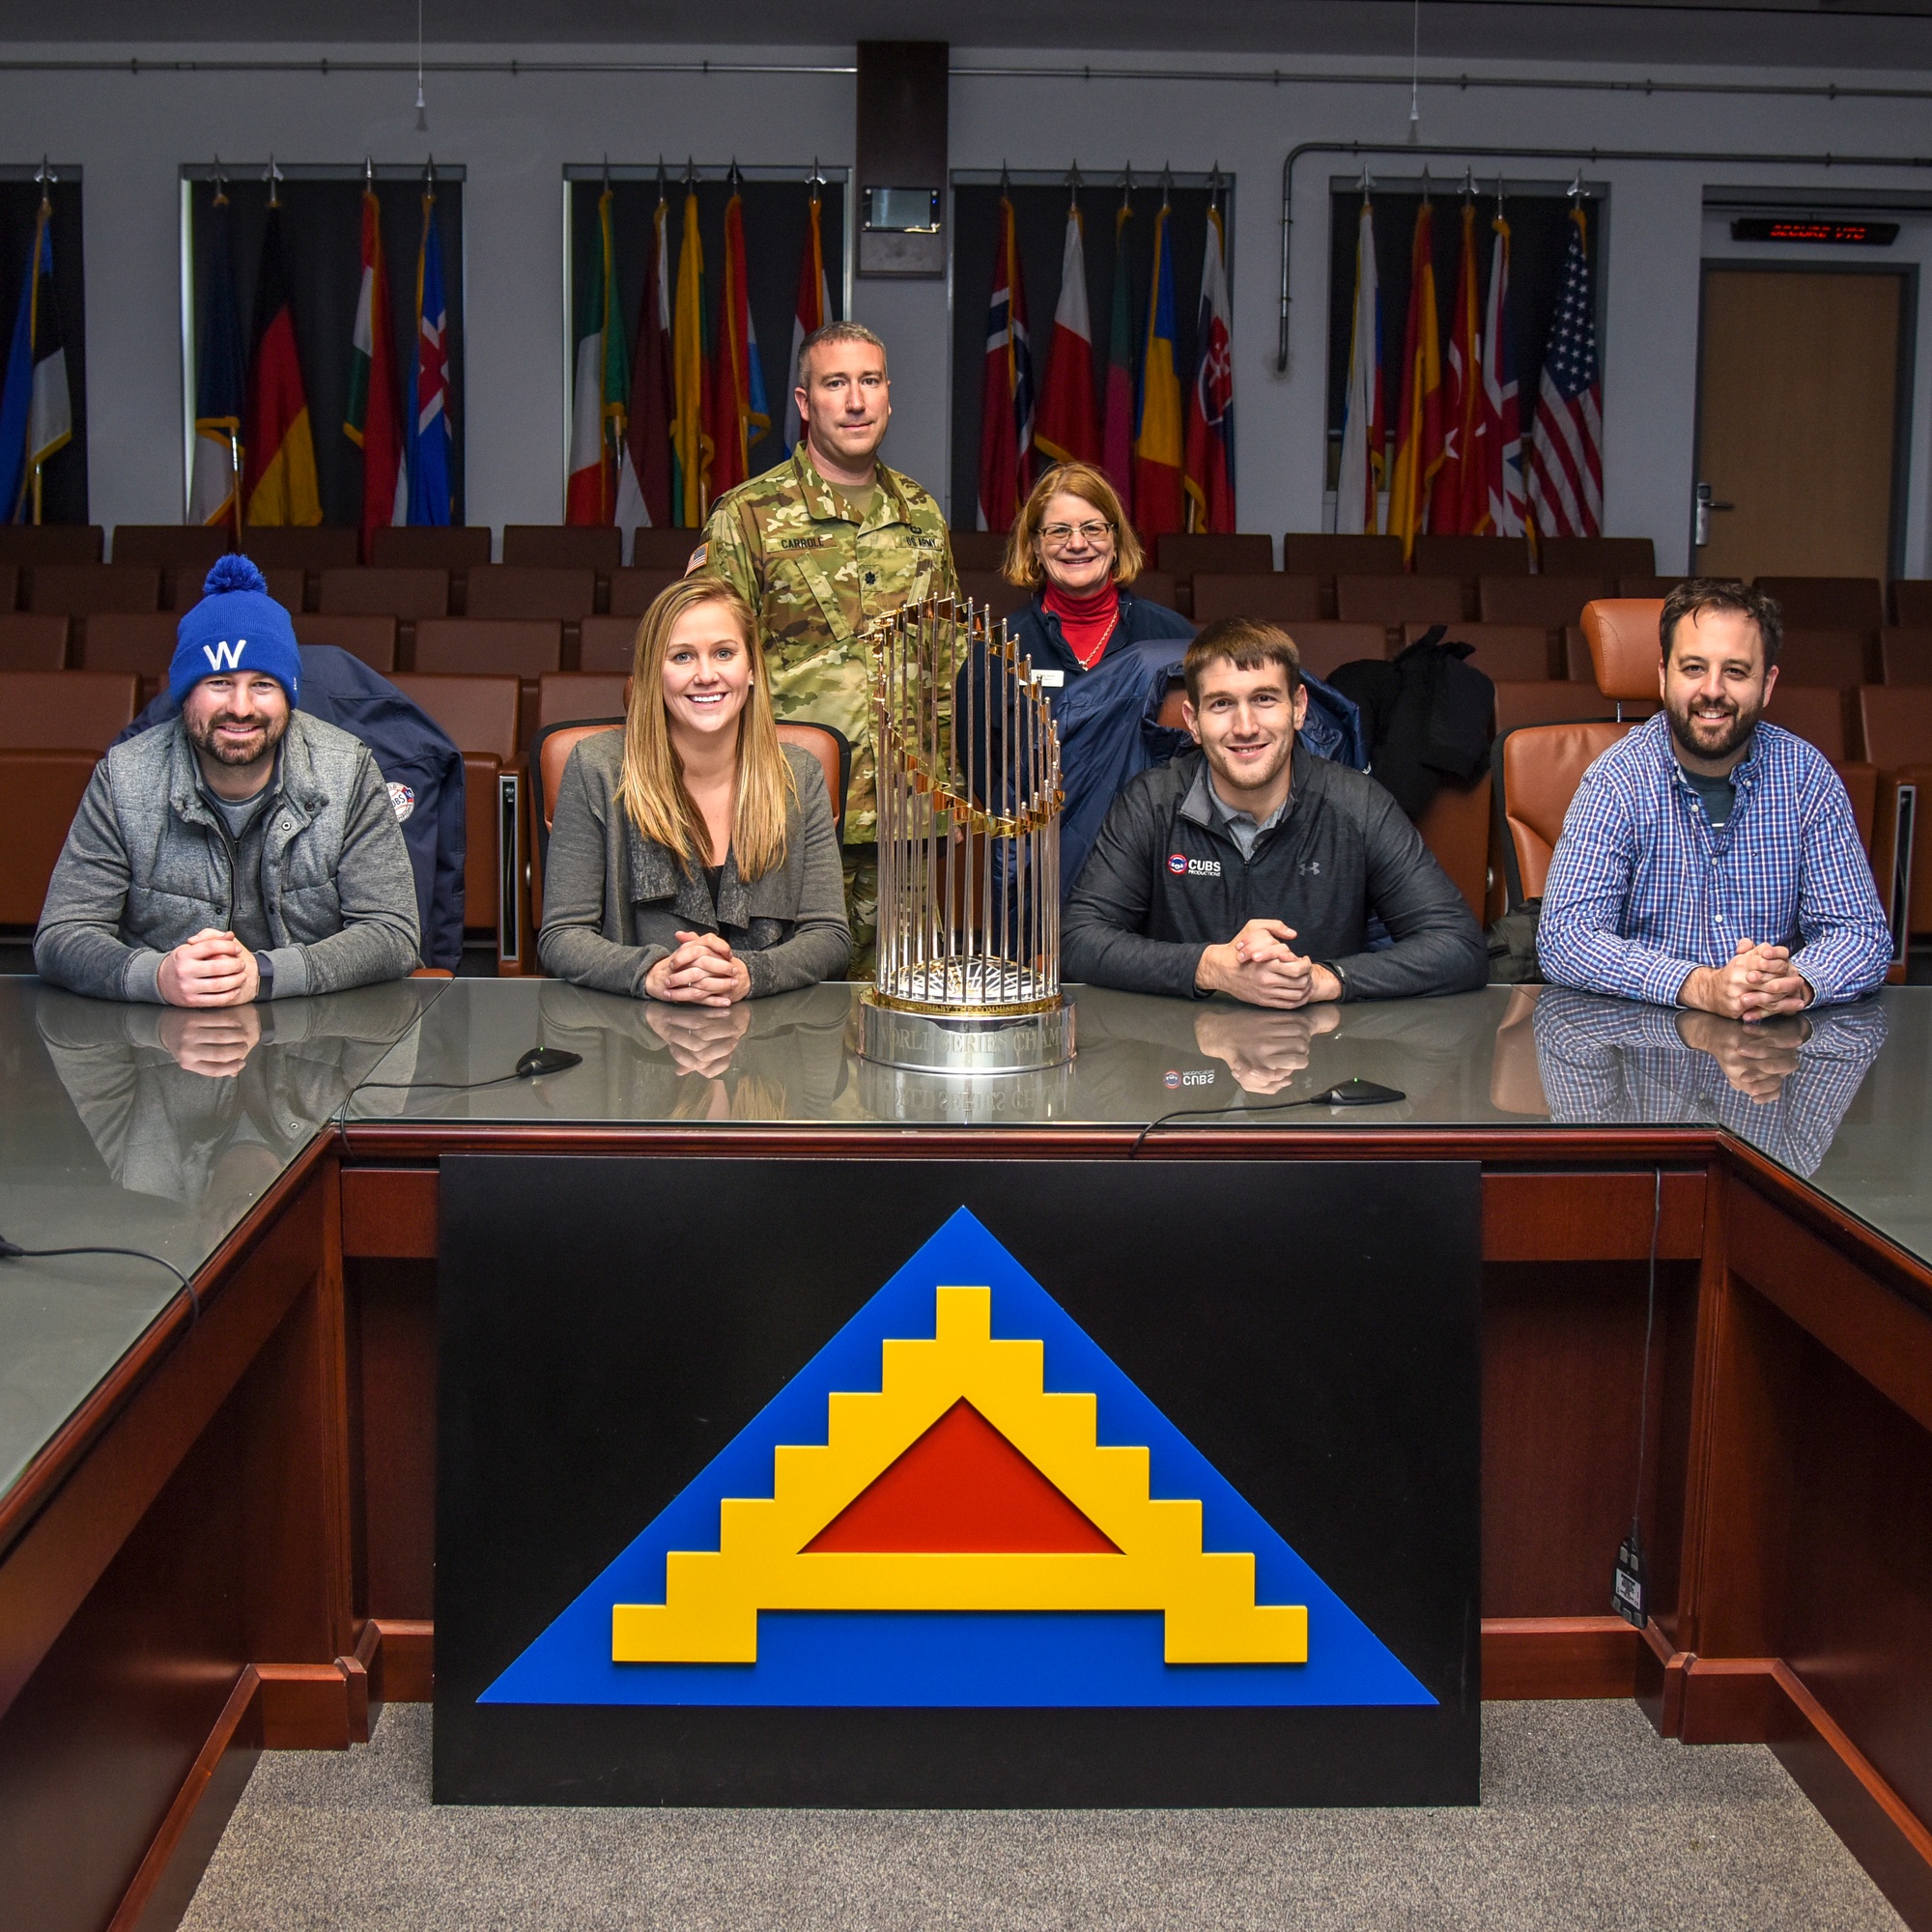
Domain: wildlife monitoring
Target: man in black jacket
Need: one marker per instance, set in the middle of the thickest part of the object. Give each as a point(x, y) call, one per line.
point(1251, 867)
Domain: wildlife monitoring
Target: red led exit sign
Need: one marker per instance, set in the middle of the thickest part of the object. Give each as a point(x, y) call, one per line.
point(1834, 234)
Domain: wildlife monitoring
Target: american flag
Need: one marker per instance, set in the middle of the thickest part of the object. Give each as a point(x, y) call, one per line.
point(1566, 452)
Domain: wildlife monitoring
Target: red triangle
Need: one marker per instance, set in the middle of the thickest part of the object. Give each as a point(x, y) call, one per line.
point(961, 1487)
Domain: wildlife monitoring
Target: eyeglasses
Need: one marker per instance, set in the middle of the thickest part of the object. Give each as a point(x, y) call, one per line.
point(1057, 537)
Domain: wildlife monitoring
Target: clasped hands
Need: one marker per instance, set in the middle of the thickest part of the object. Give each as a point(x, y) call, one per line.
point(703, 971)
point(212, 969)
point(1261, 968)
point(1756, 984)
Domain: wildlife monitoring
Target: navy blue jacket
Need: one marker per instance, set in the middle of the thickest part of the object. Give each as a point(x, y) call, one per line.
point(1036, 631)
point(423, 768)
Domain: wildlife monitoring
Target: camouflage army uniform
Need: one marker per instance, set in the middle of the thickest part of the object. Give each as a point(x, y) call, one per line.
point(819, 575)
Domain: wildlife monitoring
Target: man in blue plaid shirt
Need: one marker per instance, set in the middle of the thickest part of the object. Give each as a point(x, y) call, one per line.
point(1710, 860)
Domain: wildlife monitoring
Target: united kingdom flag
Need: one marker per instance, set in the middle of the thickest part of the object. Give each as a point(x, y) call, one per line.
point(1566, 454)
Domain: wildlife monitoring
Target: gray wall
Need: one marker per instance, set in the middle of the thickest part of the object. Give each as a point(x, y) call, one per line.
point(131, 132)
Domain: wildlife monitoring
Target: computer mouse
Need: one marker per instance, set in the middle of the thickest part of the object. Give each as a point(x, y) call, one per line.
point(542, 1059)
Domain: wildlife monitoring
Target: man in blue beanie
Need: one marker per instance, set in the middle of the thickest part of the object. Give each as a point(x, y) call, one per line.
point(241, 851)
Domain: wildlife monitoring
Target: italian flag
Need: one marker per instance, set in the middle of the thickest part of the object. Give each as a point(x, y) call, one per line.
point(374, 421)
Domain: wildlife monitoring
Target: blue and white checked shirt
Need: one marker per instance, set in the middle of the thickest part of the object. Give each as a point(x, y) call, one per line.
point(1642, 890)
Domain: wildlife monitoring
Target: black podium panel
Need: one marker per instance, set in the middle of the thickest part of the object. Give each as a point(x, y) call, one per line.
point(1003, 1483)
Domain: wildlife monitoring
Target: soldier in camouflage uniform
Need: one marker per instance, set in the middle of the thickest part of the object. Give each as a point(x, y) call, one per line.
point(822, 548)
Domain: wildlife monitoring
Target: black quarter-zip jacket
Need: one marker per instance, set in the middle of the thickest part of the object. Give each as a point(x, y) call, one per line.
point(1166, 880)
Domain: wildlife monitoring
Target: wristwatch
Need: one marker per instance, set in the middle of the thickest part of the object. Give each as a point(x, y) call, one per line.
point(265, 968)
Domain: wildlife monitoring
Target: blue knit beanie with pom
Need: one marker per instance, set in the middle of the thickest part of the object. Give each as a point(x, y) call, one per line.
point(236, 627)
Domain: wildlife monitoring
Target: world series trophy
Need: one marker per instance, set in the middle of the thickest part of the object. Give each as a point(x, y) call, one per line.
point(969, 799)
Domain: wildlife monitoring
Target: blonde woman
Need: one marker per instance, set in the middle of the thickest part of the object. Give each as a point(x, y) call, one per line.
point(693, 857)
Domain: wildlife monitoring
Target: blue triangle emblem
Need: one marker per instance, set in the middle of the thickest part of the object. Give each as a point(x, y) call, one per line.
point(730, 1597)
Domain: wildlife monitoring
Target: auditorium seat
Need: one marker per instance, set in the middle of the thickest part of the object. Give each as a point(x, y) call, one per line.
point(1549, 701)
point(1829, 718)
point(1270, 595)
point(1551, 602)
point(534, 593)
point(1188, 554)
point(566, 695)
point(1455, 826)
point(607, 644)
point(1597, 557)
point(288, 587)
point(667, 548)
point(81, 590)
point(597, 548)
point(313, 550)
point(25, 545)
point(1898, 725)
point(186, 554)
point(54, 726)
point(978, 550)
point(1395, 601)
point(987, 587)
point(143, 643)
point(1323, 646)
point(372, 639)
point(1470, 560)
point(1151, 586)
point(32, 643)
point(10, 588)
point(1905, 653)
point(1844, 658)
point(1659, 587)
point(1827, 603)
point(633, 592)
point(483, 718)
point(355, 590)
point(1912, 601)
point(451, 547)
point(523, 647)
point(1313, 554)
point(1517, 651)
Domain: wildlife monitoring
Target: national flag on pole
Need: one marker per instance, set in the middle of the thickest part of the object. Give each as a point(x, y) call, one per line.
point(1566, 451)
point(740, 415)
point(1418, 430)
point(430, 457)
point(1364, 413)
point(1068, 426)
point(1461, 497)
point(644, 484)
point(373, 421)
point(812, 310)
point(1209, 475)
point(39, 353)
point(1006, 395)
point(278, 475)
point(690, 379)
point(1502, 417)
point(220, 383)
point(1116, 416)
point(1157, 453)
point(589, 494)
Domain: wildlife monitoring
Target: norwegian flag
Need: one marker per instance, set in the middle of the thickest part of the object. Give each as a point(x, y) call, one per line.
point(1566, 451)
point(1006, 409)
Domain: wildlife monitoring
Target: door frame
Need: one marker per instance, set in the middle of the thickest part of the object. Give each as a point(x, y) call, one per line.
point(1907, 273)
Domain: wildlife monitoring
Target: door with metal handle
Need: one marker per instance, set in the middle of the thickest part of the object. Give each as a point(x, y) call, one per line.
point(1706, 504)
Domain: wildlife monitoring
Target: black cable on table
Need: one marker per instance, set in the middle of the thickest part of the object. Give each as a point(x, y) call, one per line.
point(1266, 1107)
point(12, 1251)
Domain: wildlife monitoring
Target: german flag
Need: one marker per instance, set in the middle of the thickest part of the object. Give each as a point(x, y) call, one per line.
point(279, 484)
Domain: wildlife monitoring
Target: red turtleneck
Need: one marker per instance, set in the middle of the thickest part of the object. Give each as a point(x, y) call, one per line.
point(1087, 623)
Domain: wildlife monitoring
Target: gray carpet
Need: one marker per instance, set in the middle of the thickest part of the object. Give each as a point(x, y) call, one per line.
point(1589, 1819)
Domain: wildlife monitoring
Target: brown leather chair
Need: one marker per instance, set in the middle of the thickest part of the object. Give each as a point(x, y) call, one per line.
point(597, 548)
point(451, 547)
point(1455, 826)
point(489, 646)
point(563, 695)
point(1515, 1078)
point(1549, 701)
point(978, 550)
point(543, 592)
point(81, 590)
point(1846, 659)
point(312, 547)
point(1896, 720)
point(1912, 601)
point(987, 587)
point(667, 548)
point(1827, 716)
point(1470, 560)
point(30, 643)
point(1324, 645)
point(143, 644)
point(1905, 651)
point(10, 588)
point(1317, 553)
point(1553, 602)
point(1185, 555)
point(26, 545)
point(354, 591)
point(607, 644)
point(1640, 584)
point(1827, 603)
point(1394, 601)
point(633, 592)
point(1271, 595)
point(1153, 587)
point(1514, 651)
point(483, 718)
point(186, 554)
point(288, 587)
point(372, 639)
point(53, 728)
point(1597, 557)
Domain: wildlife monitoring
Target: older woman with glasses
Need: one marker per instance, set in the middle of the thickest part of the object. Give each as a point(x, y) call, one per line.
point(1074, 549)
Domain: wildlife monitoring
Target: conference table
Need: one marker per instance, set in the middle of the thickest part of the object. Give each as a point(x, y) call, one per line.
point(1705, 1284)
